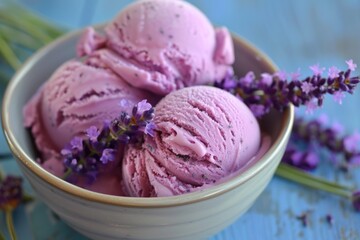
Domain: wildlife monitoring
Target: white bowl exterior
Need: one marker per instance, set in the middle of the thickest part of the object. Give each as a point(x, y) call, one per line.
point(191, 221)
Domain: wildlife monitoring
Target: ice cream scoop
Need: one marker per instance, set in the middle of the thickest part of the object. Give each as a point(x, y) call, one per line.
point(76, 97)
point(161, 46)
point(203, 135)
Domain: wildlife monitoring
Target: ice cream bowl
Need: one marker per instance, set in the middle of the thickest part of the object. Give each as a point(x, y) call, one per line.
point(194, 215)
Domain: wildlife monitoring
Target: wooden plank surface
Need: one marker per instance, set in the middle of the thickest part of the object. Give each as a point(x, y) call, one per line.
point(295, 34)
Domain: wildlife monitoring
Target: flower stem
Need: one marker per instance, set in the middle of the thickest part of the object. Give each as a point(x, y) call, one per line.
point(8, 54)
point(10, 224)
point(291, 173)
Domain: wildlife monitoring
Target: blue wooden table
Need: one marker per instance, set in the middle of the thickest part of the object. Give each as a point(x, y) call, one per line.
point(295, 34)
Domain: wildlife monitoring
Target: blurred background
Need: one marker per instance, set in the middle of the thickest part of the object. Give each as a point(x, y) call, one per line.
point(294, 34)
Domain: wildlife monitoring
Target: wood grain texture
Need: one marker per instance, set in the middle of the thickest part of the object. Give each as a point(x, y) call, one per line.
point(295, 34)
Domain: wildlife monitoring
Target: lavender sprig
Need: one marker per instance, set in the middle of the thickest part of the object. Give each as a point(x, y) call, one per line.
point(299, 176)
point(275, 91)
point(305, 160)
point(356, 200)
point(329, 137)
point(11, 195)
point(88, 155)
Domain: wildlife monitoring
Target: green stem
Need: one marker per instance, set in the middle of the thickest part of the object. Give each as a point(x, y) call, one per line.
point(25, 26)
point(9, 54)
point(3, 78)
point(67, 174)
point(18, 37)
point(10, 224)
point(299, 176)
point(27, 198)
point(51, 30)
point(2, 237)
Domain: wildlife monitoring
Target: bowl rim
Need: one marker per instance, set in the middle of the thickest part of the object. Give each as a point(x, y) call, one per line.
point(158, 202)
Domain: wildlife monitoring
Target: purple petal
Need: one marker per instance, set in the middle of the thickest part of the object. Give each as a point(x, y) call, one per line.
point(351, 142)
point(257, 109)
point(266, 79)
point(229, 83)
point(143, 106)
point(248, 79)
point(307, 87)
point(310, 107)
point(333, 72)
point(317, 70)
point(65, 152)
point(282, 75)
point(351, 65)
point(108, 155)
point(150, 129)
point(295, 75)
point(77, 143)
point(323, 119)
point(355, 161)
point(337, 128)
point(125, 103)
point(338, 97)
point(356, 200)
point(93, 133)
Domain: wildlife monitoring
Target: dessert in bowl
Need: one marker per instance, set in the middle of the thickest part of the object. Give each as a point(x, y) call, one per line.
point(194, 215)
point(100, 216)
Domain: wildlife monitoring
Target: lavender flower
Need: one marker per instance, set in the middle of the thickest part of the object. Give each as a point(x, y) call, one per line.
point(11, 193)
point(303, 160)
point(316, 131)
point(87, 156)
point(356, 200)
point(304, 218)
point(329, 219)
point(274, 91)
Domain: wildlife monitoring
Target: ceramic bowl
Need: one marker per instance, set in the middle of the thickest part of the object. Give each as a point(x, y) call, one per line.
point(195, 215)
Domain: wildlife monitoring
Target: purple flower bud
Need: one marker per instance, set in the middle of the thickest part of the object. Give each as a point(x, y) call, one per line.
point(282, 75)
point(356, 200)
point(143, 106)
point(77, 143)
point(92, 133)
point(248, 79)
point(307, 87)
point(124, 103)
point(257, 109)
point(317, 70)
point(229, 83)
point(274, 91)
point(311, 106)
point(330, 219)
point(266, 79)
point(351, 142)
point(295, 75)
point(304, 218)
point(125, 118)
point(351, 65)
point(338, 97)
point(150, 129)
point(65, 152)
point(10, 192)
point(333, 72)
point(108, 155)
